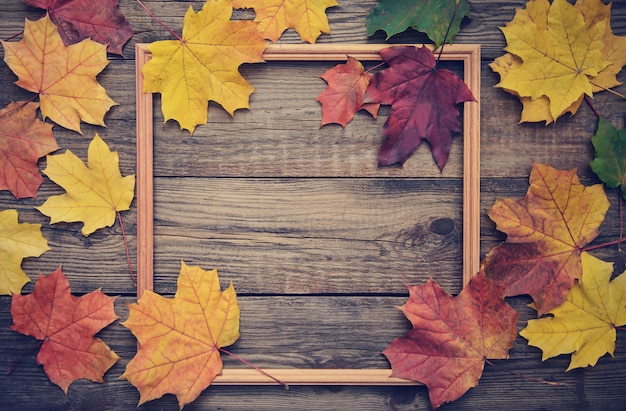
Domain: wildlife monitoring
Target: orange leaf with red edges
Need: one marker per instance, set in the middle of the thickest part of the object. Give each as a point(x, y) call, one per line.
point(23, 140)
point(64, 77)
point(546, 232)
point(452, 337)
point(345, 93)
point(66, 325)
point(179, 338)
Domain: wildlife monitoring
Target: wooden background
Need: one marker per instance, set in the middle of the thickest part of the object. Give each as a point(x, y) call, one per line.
point(318, 241)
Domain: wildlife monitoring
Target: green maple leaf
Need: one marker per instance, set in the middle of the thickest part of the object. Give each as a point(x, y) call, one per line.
point(610, 161)
point(428, 16)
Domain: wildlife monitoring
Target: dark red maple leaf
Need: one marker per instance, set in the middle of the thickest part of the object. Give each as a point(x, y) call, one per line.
point(344, 95)
point(452, 337)
point(424, 104)
point(100, 20)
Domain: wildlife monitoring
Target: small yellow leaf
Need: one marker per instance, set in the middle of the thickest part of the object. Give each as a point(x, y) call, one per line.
point(94, 193)
point(585, 323)
point(17, 241)
point(64, 77)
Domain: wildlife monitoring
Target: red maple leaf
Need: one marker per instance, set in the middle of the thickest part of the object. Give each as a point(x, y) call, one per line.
point(344, 95)
point(452, 337)
point(23, 140)
point(66, 325)
point(100, 20)
point(423, 101)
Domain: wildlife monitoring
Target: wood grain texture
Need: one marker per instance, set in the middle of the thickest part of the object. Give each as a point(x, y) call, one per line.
point(300, 308)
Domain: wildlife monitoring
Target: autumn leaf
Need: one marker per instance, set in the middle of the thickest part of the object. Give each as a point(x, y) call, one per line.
point(17, 241)
point(23, 139)
point(610, 161)
point(428, 16)
point(308, 17)
point(344, 95)
point(585, 323)
point(66, 326)
point(546, 232)
point(574, 43)
point(94, 192)
point(204, 64)
point(100, 20)
point(424, 104)
point(179, 338)
point(64, 77)
point(452, 337)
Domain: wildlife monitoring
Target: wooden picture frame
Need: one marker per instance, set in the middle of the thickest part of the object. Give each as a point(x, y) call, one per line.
point(469, 54)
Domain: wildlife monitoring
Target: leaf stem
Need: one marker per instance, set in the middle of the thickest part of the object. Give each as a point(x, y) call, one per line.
point(159, 21)
point(593, 108)
point(445, 37)
point(23, 355)
point(14, 36)
point(621, 328)
point(517, 374)
point(249, 364)
point(130, 266)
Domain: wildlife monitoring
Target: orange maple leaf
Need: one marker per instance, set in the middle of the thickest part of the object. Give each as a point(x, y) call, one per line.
point(345, 93)
point(204, 64)
point(546, 232)
point(308, 17)
point(452, 337)
point(179, 338)
point(66, 326)
point(23, 139)
point(64, 77)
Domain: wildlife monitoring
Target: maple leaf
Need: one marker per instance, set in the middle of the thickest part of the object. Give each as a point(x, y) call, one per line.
point(64, 77)
point(179, 338)
point(585, 323)
point(432, 17)
point(452, 337)
point(423, 102)
point(564, 52)
point(610, 161)
point(23, 139)
point(308, 17)
point(17, 241)
point(344, 95)
point(94, 192)
point(546, 232)
point(66, 326)
point(101, 20)
point(204, 64)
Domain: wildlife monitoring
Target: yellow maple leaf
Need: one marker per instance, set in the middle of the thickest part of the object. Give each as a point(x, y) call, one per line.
point(94, 192)
point(585, 323)
point(179, 338)
point(204, 64)
point(17, 241)
point(308, 17)
point(63, 76)
point(564, 52)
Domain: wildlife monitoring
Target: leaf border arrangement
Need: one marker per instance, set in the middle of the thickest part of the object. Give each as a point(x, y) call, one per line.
point(469, 54)
point(541, 25)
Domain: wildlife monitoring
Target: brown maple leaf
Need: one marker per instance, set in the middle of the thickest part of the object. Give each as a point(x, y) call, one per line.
point(179, 338)
point(345, 93)
point(23, 140)
point(66, 326)
point(100, 20)
point(64, 77)
point(546, 232)
point(452, 337)
point(424, 104)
